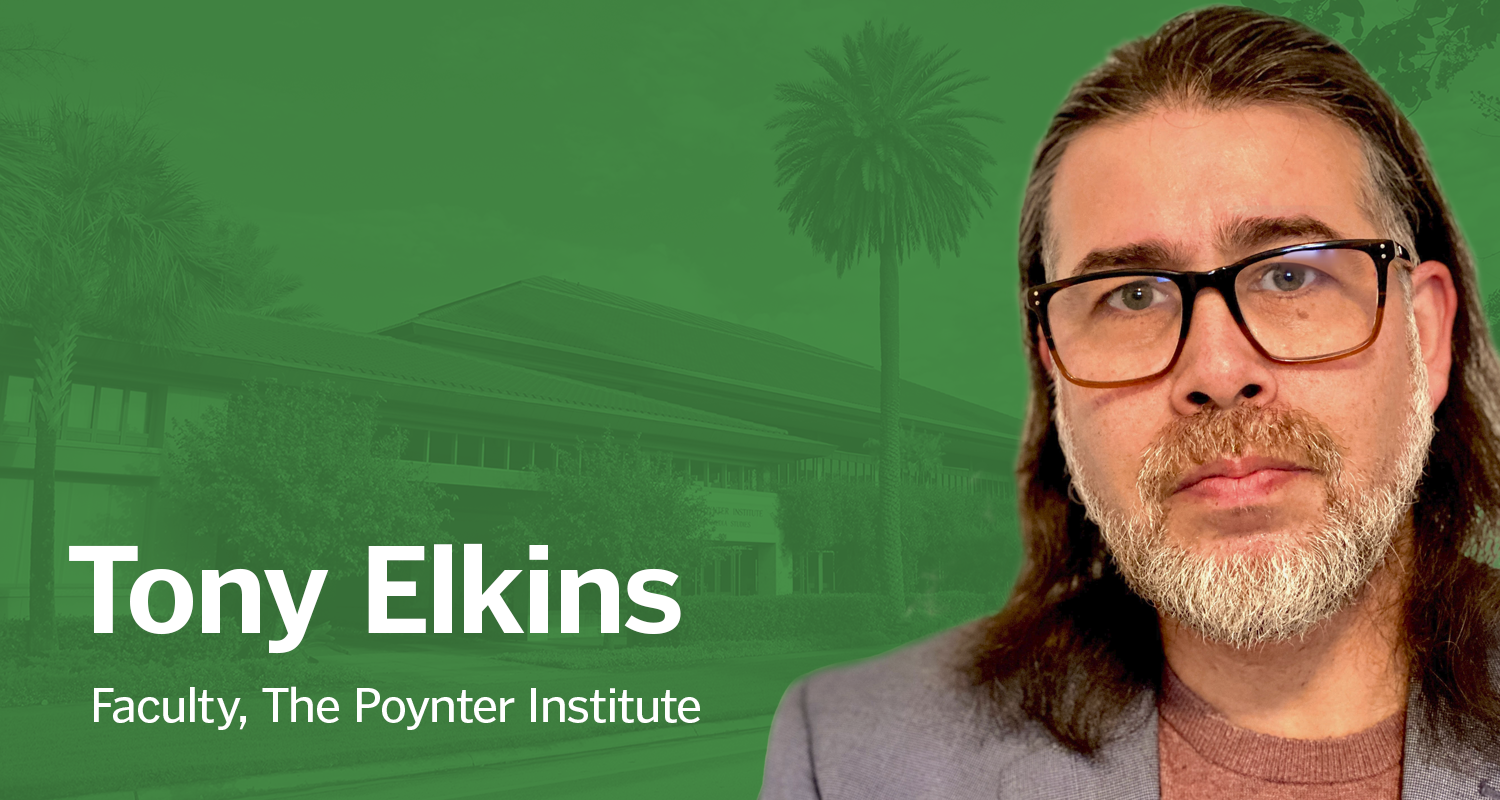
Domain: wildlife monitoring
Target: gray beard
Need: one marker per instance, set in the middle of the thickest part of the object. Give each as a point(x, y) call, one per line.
point(1247, 600)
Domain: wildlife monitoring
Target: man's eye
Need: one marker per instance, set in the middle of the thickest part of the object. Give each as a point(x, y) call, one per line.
point(1287, 278)
point(1137, 296)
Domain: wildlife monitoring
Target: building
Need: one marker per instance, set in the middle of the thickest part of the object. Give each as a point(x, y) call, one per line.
point(485, 387)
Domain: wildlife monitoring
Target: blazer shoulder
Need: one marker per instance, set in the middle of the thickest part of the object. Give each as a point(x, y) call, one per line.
point(923, 684)
point(904, 724)
point(911, 724)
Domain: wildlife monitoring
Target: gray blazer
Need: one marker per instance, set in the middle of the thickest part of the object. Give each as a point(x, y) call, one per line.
point(907, 725)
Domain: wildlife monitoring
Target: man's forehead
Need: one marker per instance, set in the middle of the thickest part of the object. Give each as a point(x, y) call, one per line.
point(1198, 186)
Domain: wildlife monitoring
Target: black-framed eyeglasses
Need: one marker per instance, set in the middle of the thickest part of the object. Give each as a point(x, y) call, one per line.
point(1302, 304)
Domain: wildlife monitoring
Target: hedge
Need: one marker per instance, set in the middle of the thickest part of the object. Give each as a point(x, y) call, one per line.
point(815, 617)
point(950, 539)
point(930, 613)
point(150, 664)
point(131, 644)
point(828, 619)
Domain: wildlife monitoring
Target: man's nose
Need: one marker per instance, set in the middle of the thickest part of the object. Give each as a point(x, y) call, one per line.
point(1219, 366)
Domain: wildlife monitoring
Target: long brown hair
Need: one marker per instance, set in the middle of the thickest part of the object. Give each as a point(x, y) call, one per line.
point(1074, 649)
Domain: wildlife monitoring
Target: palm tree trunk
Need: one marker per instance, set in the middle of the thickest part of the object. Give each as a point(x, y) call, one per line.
point(890, 425)
point(54, 374)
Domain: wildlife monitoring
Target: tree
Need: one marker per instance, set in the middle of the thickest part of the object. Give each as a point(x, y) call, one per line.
point(255, 288)
point(878, 160)
point(23, 53)
point(921, 455)
point(298, 478)
point(1412, 55)
point(1488, 105)
point(101, 234)
point(612, 505)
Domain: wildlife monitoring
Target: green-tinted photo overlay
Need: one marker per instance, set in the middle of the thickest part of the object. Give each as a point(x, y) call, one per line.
point(516, 399)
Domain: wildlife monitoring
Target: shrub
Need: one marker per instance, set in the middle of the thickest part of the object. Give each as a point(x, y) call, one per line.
point(929, 613)
point(230, 663)
point(297, 478)
point(129, 643)
point(613, 505)
point(950, 539)
point(824, 619)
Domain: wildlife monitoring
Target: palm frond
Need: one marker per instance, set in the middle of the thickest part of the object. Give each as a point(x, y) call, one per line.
point(111, 234)
point(879, 150)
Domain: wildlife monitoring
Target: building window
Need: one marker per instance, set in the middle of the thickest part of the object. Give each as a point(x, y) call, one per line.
point(715, 474)
point(813, 573)
point(95, 412)
point(522, 454)
point(729, 570)
point(416, 444)
point(469, 450)
point(496, 453)
point(17, 400)
point(111, 409)
point(440, 447)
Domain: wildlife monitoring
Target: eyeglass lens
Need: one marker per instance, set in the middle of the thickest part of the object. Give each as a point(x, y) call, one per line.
point(1300, 305)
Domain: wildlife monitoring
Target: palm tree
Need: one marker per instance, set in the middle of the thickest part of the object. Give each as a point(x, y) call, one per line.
point(107, 238)
point(254, 287)
point(878, 160)
point(23, 53)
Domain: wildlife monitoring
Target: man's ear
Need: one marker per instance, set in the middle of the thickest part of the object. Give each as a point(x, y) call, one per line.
point(1434, 302)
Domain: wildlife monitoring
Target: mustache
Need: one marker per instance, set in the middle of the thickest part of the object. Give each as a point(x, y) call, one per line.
point(1190, 442)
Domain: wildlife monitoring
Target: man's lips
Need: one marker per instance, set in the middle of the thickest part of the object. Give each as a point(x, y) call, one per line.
point(1243, 479)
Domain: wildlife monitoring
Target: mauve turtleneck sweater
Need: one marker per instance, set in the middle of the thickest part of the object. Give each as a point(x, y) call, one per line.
point(1204, 756)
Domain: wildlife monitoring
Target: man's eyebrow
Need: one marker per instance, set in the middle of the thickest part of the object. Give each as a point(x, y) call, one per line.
point(1243, 236)
point(1248, 234)
point(1138, 255)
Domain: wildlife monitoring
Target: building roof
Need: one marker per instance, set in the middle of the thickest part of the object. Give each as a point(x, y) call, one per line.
point(390, 360)
point(558, 313)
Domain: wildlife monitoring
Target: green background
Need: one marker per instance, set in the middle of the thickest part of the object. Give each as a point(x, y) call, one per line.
point(400, 158)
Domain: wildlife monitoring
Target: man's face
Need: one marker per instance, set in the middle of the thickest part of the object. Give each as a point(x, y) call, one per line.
point(1236, 523)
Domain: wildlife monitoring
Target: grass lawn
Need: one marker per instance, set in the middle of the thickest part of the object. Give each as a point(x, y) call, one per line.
point(57, 750)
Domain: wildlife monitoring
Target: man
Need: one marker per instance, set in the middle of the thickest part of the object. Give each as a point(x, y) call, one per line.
point(1258, 468)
